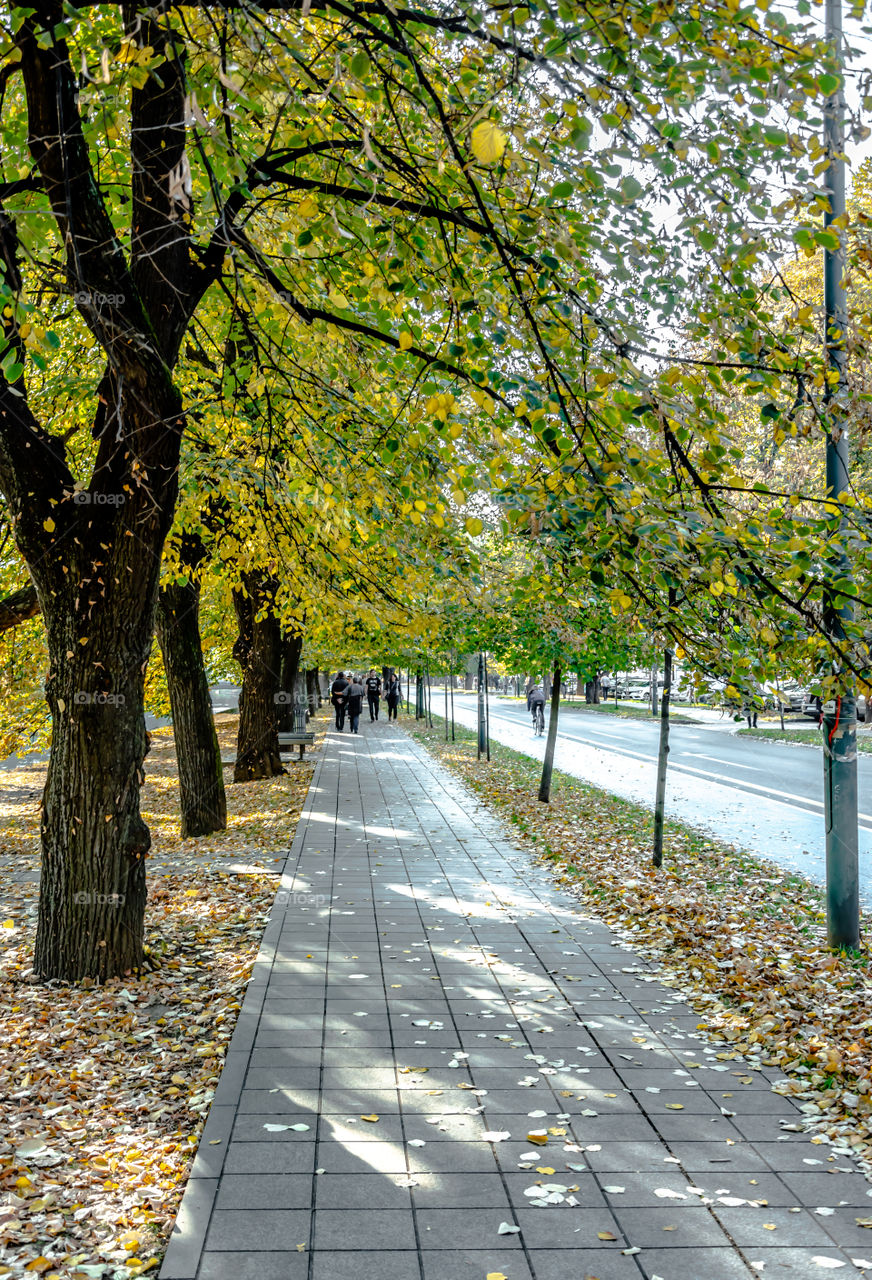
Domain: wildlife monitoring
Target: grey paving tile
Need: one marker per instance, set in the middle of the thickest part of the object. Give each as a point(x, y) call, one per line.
point(253, 1266)
point(245, 1231)
point(687, 1223)
point(765, 1227)
point(369, 1265)
point(272, 1158)
point(462, 1228)
point(458, 1264)
point(362, 1229)
point(552, 1264)
point(265, 1191)
point(708, 1264)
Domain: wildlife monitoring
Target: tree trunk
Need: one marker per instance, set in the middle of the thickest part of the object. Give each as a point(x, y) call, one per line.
point(289, 667)
point(589, 692)
point(258, 651)
point(201, 776)
point(99, 624)
point(551, 740)
point(313, 696)
point(662, 759)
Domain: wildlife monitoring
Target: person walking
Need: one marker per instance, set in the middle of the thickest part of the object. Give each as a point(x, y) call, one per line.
point(536, 704)
point(339, 697)
point(354, 695)
point(393, 695)
point(373, 693)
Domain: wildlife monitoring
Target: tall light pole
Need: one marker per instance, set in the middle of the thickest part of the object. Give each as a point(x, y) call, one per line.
point(839, 721)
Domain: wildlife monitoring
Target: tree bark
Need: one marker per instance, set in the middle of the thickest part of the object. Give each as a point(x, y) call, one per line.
point(313, 696)
point(99, 618)
point(258, 651)
point(201, 775)
point(551, 740)
point(291, 646)
point(18, 607)
point(662, 760)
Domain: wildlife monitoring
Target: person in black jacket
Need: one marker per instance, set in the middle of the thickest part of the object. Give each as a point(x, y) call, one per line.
point(339, 696)
point(393, 696)
point(354, 696)
point(373, 693)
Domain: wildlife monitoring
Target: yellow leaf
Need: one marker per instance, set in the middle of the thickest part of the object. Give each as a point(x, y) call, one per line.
point(540, 1139)
point(8, 924)
point(546, 1170)
point(49, 525)
point(488, 142)
point(371, 1119)
point(496, 1275)
point(675, 1106)
point(406, 340)
point(605, 1235)
point(473, 526)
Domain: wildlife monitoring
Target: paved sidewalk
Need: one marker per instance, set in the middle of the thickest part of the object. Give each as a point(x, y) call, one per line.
point(438, 1045)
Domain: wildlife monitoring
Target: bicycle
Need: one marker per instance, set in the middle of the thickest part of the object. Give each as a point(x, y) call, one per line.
point(538, 711)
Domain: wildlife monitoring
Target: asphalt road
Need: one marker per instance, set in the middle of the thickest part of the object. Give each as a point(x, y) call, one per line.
point(766, 797)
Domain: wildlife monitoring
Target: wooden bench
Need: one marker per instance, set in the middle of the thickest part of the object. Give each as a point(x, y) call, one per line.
point(300, 736)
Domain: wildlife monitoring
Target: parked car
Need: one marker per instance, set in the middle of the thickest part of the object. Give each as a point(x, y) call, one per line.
point(791, 695)
point(812, 706)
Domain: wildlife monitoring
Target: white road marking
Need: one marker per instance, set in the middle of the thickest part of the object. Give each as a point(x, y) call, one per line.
point(728, 764)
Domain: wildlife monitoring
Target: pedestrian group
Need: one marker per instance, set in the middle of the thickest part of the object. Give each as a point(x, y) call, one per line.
point(347, 693)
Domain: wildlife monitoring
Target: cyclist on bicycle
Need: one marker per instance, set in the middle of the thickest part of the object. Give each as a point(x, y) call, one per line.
point(536, 705)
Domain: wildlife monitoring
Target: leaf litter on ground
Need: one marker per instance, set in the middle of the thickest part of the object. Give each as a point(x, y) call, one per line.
point(744, 941)
point(107, 1087)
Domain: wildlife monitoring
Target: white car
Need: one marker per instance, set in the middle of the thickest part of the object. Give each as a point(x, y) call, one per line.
point(811, 706)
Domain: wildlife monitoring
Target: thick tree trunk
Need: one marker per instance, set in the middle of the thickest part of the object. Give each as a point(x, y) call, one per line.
point(201, 777)
point(551, 741)
point(258, 651)
point(99, 629)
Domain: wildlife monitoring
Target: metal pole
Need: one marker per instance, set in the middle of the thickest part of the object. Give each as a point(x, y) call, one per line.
point(452, 705)
point(486, 710)
point(482, 745)
point(446, 708)
point(839, 722)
